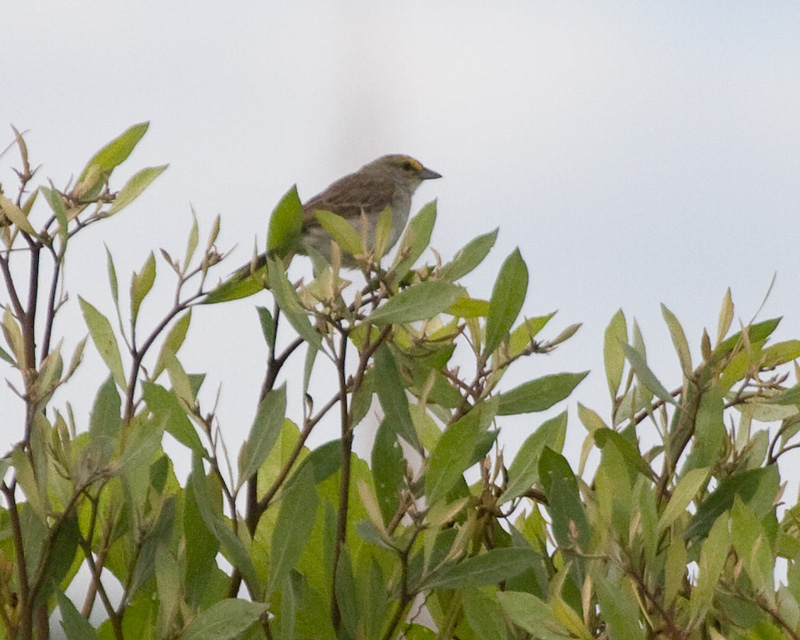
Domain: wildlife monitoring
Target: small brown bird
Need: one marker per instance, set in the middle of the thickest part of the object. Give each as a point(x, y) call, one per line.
point(361, 197)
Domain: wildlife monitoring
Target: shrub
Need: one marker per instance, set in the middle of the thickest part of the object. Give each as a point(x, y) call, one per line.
point(677, 541)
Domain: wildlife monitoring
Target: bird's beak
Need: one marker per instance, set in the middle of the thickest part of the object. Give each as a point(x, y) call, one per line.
point(427, 174)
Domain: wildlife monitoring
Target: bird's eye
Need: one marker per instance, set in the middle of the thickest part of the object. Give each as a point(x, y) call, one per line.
point(408, 166)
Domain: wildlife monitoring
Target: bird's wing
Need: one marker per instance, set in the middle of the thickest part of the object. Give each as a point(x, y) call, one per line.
point(350, 196)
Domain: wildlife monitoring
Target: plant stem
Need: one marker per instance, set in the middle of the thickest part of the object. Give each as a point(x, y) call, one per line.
point(344, 483)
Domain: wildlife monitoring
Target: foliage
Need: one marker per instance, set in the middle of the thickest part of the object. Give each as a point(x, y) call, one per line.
point(436, 535)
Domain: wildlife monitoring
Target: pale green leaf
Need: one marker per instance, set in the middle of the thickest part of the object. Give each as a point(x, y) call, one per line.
point(223, 620)
point(645, 375)
point(16, 215)
point(104, 341)
point(678, 340)
point(418, 302)
point(340, 230)
point(615, 335)
point(684, 493)
point(469, 257)
point(135, 186)
point(141, 284)
point(539, 394)
point(263, 434)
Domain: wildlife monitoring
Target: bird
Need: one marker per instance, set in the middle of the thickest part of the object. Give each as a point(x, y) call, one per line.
point(360, 197)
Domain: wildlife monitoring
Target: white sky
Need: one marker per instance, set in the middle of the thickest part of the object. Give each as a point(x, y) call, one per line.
point(637, 153)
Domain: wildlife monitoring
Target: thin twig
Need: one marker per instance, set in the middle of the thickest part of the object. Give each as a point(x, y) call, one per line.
point(344, 482)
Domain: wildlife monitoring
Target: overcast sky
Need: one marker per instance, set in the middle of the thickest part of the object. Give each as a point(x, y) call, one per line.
point(636, 152)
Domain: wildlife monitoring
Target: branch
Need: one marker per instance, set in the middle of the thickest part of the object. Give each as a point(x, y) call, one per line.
point(344, 482)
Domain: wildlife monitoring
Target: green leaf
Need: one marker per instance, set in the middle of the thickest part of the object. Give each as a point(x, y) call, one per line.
point(17, 216)
point(392, 396)
point(614, 357)
point(211, 514)
point(106, 420)
point(678, 340)
point(236, 287)
point(224, 619)
point(308, 369)
point(753, 546)
point(533, 615)
point(141, 283)
point(292, 528)
point(469, 257)
point(104, 341)
point(263, 434)
point(484, 615)
point(165, 406)
point(168, 584)
point(780, 353)
point(191, 242)
point(684, 493)
point(116, 151)
point(179, 380)
point(710, 433)
point(285, 224)
point(590, 419)
point(505, 304)
point(524, 470)
point(570, 523)
point(13, 336)
point(418, 302)
point(645, 375)
point(7, 357)
point(346, 594)
point(135, 186)
point(619, 608)
point(789, 397)
point(383, 232)
point(452, 456)
point(539, 394)
point(375, 602)
point(415, 240)
point(713, 555)
point(112, 279)
point(491, 567)
point(99, 168)
point(521, 337)
point(466, 307)
point(627, 448)
point(173, 342)
point(744, 484)
point(346, 237)
point(288, 609)
point(289, 303)
point(674, 568)
point(56, 203)
point(141, 445)
point(388, 470)
point(201, 551)
point(725, 317)
point(75, 626)
point(756, 333)
point(268, 327)
point(62, 558)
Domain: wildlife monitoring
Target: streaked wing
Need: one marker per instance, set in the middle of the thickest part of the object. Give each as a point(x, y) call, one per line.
point(349, 196)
